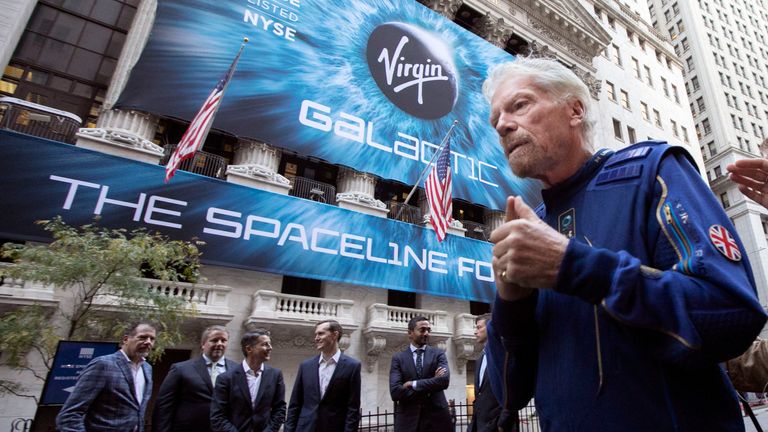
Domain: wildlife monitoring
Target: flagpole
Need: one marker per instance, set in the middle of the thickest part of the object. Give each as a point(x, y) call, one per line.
point(223, 91)
point(427, 168)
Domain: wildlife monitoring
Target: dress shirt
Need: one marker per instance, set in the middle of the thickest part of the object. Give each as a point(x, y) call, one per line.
point(325, 370)
point(215, 369)
point(483, 365)
point(254, 379)
point(415, 355)
point(139, 382)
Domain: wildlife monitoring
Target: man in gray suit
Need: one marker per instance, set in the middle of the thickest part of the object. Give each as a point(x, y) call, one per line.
point(184, 401)
point(112, 392)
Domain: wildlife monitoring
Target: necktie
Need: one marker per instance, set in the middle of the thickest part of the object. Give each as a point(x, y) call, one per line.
point(419, 362)
point(214, 373)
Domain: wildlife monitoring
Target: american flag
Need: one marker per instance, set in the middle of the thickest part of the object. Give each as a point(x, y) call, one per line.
point(194, 138)
point(438, 187)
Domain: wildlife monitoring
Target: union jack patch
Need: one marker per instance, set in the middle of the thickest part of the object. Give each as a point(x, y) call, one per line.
point(724, 242)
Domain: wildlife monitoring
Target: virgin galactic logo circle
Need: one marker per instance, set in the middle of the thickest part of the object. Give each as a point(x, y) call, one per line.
point(413, 69)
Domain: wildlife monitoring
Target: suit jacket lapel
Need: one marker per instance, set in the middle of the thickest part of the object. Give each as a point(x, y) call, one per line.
point(338, 370)
point(239, 378)
point(478, 365)
point(145, 368)
point(122, 363)
point(266, 380)
point(202, 369)
point(409, 363)
point(314, 375)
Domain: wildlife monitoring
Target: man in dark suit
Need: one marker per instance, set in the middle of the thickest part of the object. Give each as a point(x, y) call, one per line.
point(251, 397)
point(417, 379)
point(326, 394)
point(487, 413)
point(112, 392)
point(184, 401)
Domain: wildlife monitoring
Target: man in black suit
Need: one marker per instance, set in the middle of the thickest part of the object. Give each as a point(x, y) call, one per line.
point(251, 397)
point(326, 394)
point(184, 401)
point(417, 379)
point(487, 414)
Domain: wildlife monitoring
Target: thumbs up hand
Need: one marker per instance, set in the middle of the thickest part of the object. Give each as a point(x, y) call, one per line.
point(527, 253)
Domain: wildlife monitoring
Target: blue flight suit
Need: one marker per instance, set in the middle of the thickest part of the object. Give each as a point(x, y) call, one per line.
point(644, 308)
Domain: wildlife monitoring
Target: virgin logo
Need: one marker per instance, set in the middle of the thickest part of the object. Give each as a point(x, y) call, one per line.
point(413, 69)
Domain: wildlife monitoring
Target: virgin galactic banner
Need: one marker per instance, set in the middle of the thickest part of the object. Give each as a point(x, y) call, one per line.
point(242, 227)
point(369, 84)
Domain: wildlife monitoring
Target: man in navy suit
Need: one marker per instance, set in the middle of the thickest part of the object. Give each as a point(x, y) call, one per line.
point(184, 401)
point(417, 379)
point(251, 397)
point(326, 394)
point(112, 392)
point(487, 414)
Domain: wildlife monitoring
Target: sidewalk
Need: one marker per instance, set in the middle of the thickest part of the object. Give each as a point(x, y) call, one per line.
point(761, 412)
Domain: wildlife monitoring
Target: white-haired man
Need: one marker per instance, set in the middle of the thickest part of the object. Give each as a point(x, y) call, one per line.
point(619, 295)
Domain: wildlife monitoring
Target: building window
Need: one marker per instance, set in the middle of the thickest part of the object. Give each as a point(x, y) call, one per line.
point(675, 94)
point(611, 90)
point(648, 77)
point(724, 199)
point(674, 128)
point(616, 54)
point(301, 286)
point(636, 68)
point(657, 117)
point(68, 53)
point(631, 135)
point(617, 130)
point(644, 111)
point(625, 100)
point(664, 86)
point(685, 134)
point(401, 299)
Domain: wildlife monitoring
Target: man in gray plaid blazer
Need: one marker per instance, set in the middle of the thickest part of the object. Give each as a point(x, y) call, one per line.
point(112, 392)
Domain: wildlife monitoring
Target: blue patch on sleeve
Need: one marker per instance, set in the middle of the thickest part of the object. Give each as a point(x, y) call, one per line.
point(636, 153)
point(621, 173)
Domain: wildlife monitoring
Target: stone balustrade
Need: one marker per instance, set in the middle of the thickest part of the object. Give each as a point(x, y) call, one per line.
point(16, 292)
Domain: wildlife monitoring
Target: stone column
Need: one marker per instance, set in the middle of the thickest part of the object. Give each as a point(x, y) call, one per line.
point(494, 30)
point(455, 227)
point(446, 8)
point(255, 165)
point(126, 133)
point(356, 192)
point(13, 20)
point(592, 83)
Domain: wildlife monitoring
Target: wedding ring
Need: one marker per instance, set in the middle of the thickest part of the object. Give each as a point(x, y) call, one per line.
point(503, 275)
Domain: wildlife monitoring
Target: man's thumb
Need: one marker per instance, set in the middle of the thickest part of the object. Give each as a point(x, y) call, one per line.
point(522, 210)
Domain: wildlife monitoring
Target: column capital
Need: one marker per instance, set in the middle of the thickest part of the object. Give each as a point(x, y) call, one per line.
point(494, 30)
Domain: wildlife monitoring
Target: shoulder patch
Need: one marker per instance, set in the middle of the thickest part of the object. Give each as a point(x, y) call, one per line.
point(724, 242)
point(621, 173)
point(635, 153)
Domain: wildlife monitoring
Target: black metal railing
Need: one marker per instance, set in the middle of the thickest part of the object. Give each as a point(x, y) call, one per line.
point(313, 190)
point(476, 230)
point(461, 416)
point(404, 212)
point(203, 163)
point(38, 120)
